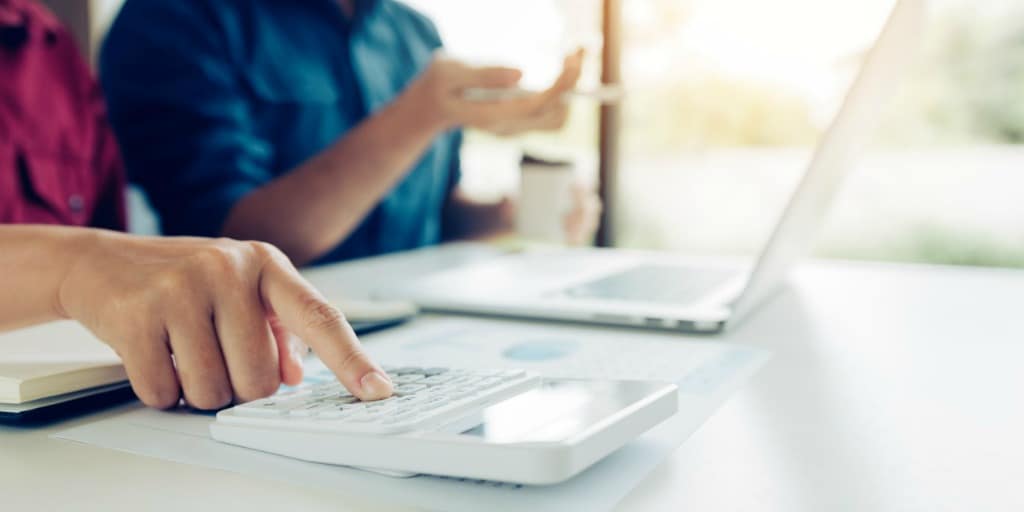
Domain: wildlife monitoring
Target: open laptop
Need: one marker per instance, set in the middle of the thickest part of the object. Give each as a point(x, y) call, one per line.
point(618, 287)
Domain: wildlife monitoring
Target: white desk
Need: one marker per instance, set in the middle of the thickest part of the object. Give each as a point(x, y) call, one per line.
point(892, 388)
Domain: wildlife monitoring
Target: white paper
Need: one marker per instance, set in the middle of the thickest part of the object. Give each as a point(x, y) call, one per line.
point(707, 373)
point(54, 342)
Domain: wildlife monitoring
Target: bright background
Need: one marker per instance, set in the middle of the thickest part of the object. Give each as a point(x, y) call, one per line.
point(727, 97)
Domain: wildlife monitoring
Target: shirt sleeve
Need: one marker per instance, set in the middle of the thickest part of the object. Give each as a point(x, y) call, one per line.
point(178, 108)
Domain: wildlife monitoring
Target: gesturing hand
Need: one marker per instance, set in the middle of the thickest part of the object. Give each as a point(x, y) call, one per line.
point(440, 96)
point(209, 320)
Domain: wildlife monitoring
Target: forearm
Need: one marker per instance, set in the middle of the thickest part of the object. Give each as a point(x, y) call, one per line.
point(308, 211)
point(34, 261)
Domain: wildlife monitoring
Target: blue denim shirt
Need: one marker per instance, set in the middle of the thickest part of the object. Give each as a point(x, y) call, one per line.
point(211, 99)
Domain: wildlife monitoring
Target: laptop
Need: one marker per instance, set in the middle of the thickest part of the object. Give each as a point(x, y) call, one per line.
point(609, 286)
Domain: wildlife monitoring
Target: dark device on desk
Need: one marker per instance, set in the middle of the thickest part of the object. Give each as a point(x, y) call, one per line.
point(66, 405)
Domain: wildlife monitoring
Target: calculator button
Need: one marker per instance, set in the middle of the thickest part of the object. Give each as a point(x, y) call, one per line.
point(487, 373)
point(407, 377)
point(308, 411)
point(436, 379)
point(405, 389)
point(293, 393)
point(406, 369)
point(380, 404)
point(333, 415)
point(443, 389)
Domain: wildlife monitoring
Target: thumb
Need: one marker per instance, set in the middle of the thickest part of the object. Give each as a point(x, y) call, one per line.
point(291, 352)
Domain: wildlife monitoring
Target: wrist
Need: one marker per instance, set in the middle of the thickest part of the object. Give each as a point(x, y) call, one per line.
point(422, 109)
point(80, 246)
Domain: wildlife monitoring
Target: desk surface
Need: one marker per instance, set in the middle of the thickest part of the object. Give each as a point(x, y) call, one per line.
point(892, 388)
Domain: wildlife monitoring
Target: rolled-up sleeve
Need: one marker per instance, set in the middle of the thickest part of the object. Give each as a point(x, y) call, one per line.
point(177, 107)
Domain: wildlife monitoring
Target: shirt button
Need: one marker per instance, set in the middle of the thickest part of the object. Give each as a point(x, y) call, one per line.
point(76, 203)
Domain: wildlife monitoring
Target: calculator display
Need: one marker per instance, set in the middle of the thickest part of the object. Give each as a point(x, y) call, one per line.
point(557, 410)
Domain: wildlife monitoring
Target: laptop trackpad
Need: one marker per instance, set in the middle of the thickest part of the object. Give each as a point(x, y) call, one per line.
point(670, 284)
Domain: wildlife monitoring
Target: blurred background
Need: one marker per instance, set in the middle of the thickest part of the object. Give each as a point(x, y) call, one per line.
point(725, 99)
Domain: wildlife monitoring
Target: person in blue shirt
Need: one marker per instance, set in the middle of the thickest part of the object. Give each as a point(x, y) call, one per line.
point(329, 128)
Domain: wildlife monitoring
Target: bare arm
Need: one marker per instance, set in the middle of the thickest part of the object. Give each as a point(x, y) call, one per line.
point(318, 204)
point(35, 260)
point(308, 211)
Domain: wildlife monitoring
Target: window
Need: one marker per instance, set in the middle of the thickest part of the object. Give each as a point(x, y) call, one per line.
point(727, 97)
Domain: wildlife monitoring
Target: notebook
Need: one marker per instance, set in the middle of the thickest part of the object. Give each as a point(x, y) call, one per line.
point(25, 382)
point(54, 359)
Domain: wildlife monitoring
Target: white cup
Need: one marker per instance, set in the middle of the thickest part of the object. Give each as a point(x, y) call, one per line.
point(545, 198)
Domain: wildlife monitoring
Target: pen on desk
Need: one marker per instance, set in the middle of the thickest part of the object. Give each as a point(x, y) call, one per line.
point(602, 94)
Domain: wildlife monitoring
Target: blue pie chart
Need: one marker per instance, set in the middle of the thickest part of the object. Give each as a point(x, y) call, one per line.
point(539, 350)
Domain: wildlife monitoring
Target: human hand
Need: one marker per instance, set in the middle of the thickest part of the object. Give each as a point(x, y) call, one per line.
point(440, 93)
point(584, 216)
point(210, 320)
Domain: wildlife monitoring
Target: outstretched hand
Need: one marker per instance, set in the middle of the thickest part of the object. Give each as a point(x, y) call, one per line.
point(442, 88)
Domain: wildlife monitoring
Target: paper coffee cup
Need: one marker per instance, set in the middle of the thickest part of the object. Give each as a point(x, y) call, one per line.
point(545, 198)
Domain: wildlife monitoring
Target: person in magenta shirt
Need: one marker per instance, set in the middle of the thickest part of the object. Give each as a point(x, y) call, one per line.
point(59, 159)
point(230, 312)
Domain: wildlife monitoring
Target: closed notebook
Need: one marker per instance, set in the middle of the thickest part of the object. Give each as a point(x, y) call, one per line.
point(54, 359)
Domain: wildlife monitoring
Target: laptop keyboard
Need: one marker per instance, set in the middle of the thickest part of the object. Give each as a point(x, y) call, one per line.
point(654, 283)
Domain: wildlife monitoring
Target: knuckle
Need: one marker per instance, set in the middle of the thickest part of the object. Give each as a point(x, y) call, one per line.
point(259, 388)
point(320, 315)
point(210, 399)
point(156, 396)
point(266, 252)
point(218, 257)
point(355, 358)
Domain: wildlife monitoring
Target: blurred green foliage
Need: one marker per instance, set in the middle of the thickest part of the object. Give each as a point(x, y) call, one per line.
point(715, 111)
point(969, 84)
point(938, 244)
point(967, 88)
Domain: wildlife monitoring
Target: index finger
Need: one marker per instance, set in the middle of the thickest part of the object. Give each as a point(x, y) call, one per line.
point(304, 312)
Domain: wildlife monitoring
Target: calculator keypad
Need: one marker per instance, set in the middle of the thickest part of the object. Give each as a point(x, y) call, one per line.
point(422, 396)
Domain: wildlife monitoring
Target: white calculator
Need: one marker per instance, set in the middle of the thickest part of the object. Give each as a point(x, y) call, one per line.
point(500, 425)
